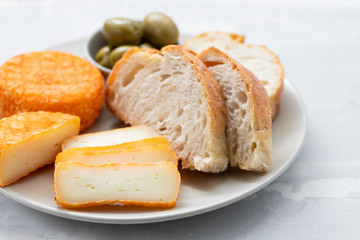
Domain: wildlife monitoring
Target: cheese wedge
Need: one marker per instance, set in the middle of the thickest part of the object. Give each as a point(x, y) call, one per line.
point(126, 145)
point(109, 138)
point(31, 140)
point(155, 153)
point(143, 184)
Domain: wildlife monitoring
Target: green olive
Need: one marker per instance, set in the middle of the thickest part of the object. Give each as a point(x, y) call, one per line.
point(118, 52)
point(160, 30)
point(119, 31)
point(146, 45)
point(102, 57)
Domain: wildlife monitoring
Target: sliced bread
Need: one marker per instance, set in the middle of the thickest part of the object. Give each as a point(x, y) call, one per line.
point(174, 93)
point(219, 39)
point(258, 59)
point(248, 125)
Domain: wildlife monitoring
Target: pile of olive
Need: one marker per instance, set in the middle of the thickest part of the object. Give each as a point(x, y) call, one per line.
point(155, 31)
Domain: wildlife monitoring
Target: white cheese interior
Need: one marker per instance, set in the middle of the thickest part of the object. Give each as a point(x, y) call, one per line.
point(156, 153)
point(108, 138)
point(126, 145)
point(77, 183)
point(23, 157)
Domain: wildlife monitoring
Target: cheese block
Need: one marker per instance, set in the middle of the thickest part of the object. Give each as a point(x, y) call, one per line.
point(51, 81)
point(126, 145)
point(109, 138)
point(155, 153)
point(31, 140)
point(143, 184)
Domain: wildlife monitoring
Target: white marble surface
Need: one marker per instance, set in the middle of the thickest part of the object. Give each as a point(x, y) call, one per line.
point(318, 197)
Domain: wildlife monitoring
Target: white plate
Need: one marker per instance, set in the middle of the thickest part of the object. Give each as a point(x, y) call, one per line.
point(199, 192)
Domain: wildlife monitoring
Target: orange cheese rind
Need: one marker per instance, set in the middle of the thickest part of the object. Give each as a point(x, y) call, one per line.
point(21, 135)
point(126, 145)
point(130, 155)
point(51, 81)
point(117, 203)
point(22, 126)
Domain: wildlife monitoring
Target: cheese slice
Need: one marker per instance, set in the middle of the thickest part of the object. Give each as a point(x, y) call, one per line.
point(110, 138)
point(31, 140)
point(144, 184)
point(126, 145)
point(154, 153)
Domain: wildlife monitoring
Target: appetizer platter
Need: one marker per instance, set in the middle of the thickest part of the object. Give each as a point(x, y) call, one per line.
point(230, 144)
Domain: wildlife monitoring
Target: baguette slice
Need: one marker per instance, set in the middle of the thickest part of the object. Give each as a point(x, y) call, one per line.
point(174, 93)
point(219, 39)
point(31, 140)
point(109, 138)
point(155, 153)
point(248, 125)
point(143, 184)
point(258, 59)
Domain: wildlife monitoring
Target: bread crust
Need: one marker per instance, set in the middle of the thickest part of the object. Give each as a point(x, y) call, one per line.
point(51, 81)
point(260, 107)
point(274, 96)
point(124, 60)
point(117, 68)
point(262, 113)
point(234, 36)
point(260, 103)
point(215, 102)
point(214, 97)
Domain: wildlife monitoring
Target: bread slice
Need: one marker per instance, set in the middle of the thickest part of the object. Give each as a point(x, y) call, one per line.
point(109, 138)
point(262, 62)
point(219, 39)
point(143, 184)
point(248, 125)
point(31, 140)
point(155, 153)
point(174, 93)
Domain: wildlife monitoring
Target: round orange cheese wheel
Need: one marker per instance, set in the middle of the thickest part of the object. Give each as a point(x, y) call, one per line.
point(51, 81)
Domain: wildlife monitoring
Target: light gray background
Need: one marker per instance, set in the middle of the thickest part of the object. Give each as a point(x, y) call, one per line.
point(318, 197)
